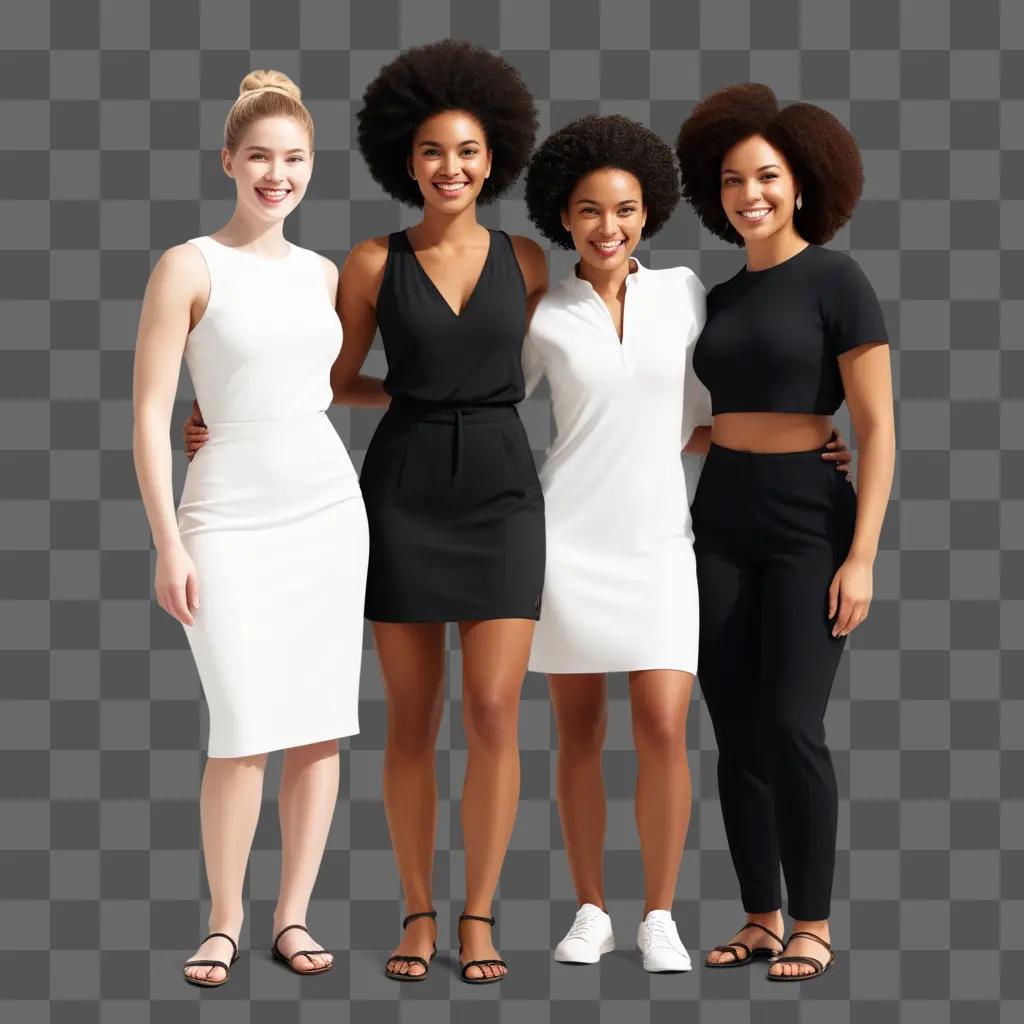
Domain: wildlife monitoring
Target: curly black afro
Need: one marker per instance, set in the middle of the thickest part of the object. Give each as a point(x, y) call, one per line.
point(590, 144)
point(819, 149)
point(428, 80)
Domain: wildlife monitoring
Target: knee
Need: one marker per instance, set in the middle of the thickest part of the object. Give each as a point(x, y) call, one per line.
point(791, 737)
point(412, 733)
point(583, 737)
point(657, 734)
point(490, 716)
point(310, 752)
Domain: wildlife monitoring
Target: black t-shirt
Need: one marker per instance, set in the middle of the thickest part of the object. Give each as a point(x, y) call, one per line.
point(772, 337)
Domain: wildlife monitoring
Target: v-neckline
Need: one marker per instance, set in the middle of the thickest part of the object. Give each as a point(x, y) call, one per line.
point(437, 291)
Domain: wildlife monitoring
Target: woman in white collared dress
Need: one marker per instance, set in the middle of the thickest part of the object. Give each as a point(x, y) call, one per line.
point(614, 340)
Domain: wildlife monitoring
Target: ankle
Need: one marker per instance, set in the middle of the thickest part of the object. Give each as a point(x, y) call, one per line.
point(815, 927)
point(767, 918)
point(227, 923)
point(285, 916)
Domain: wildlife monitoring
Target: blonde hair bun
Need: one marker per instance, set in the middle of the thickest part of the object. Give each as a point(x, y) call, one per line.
point(257, 81)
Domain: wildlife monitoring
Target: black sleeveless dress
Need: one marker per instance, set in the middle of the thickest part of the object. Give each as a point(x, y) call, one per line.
point(455, 508)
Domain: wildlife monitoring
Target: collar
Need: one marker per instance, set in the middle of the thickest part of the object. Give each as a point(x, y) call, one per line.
point(580, 286)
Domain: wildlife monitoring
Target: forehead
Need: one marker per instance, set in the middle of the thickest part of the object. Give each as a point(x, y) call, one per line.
point(450, 126)
point(282, 133)
point(752, 153)
point(608, 184)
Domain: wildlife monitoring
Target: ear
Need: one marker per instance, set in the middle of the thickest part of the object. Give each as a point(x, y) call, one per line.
point(490, 158)
point(408, 167)
point(643, 218)
point(226, 162)
point(564, 214)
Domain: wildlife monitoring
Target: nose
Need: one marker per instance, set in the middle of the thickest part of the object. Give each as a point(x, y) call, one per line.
point(751, 191)
point(608, 223)
point(451, 164)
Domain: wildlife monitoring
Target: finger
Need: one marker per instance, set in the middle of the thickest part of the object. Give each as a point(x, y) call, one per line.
point(178, 607)
point(192, 591)
point(843, 620)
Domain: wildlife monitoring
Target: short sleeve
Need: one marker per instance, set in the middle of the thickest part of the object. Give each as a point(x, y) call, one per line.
point(850, 308)
point(696, 399)
point(533, 365)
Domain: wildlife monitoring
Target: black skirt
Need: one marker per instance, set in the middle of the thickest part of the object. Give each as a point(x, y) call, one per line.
point(456, 516)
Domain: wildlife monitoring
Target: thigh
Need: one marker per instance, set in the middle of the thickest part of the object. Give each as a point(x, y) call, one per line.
point(799, 654)
point(730, 624)
point(494, 653)
point(412, 660)
point(580, 704)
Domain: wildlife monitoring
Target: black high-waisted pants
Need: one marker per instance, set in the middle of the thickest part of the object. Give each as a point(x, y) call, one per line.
point(770, 531)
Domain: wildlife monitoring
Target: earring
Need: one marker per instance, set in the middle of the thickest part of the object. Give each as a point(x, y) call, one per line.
point(799, 202)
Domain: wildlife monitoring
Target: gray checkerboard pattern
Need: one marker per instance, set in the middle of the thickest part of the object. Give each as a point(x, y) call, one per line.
point(110, 120)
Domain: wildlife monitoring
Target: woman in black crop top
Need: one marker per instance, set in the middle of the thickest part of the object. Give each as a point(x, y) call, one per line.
point(784, 546)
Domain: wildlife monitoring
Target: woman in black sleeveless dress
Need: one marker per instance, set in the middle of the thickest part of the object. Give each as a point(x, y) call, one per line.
point(453, 500)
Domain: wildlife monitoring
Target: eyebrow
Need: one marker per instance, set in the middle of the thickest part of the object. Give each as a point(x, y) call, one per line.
point(730, 170)
point(266, 149)
point(440, 145)
point(594, 202)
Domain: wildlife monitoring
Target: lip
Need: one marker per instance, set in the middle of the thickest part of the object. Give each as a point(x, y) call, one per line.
point(607, 254)
point(768, 210)
point(272, 200)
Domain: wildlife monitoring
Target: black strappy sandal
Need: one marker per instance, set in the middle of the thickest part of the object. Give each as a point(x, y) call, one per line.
point(394, 975)
point(819, 967)
point(480, 963)
point(757, 953)
point(202, 982)
point(307, 953)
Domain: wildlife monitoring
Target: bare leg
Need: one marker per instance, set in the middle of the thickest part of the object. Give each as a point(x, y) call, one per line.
point(412, 662)
point(306, 800)
point(581, 716)
point(229, 807)
point(660, 699)
point(494, 657)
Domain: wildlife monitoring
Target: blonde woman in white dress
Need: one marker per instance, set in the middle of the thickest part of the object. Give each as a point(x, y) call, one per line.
point(264, 563)
point(615, 341)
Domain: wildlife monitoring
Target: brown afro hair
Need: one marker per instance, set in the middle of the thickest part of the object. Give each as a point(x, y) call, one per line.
point(428, 80)
point(591, 144)
point(817, 146)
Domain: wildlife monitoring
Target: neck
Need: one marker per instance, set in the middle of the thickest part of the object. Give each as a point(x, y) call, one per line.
point(263, 238)
point(440, 228)
point(607, 283)
point(772, 250)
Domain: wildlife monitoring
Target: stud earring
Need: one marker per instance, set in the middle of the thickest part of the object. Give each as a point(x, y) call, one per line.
point(799, 202)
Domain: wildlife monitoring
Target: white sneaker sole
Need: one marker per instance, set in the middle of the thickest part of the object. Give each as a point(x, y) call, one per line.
point(606, 947)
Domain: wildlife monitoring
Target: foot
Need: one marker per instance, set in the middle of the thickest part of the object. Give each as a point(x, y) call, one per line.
point(298, 938)
point(752, 937)
point(475, 939)
point(588, 939)
point(212, 949)
point(417, 940)
point(660, 944)
point(804, 947)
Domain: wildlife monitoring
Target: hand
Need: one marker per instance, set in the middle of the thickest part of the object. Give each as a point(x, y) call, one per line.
point(177, 586)
point(850, 593)
point(194, 432)
point(841, 455)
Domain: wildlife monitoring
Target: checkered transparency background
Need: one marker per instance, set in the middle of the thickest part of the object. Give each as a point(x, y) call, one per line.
point(110, 121)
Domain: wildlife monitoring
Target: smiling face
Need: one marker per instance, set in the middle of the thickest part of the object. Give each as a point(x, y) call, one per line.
point(605, 215)
point(758, 189)
point(271, 167)
point(450, 160)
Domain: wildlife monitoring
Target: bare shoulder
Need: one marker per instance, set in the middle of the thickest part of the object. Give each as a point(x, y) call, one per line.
point(330, 273)
point(366, 259)
point(182, 270)
point(532, 261)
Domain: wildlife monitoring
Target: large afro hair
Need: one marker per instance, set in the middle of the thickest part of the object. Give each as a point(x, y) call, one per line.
point(591, 144)
point(817, 146)
point(428, 80)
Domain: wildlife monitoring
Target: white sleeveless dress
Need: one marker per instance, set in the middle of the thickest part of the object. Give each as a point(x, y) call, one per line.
point(620, 581)
point(271, 511)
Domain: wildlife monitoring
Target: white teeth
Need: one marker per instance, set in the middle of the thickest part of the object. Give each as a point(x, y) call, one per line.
point(455, 187)
point(754, 214)
point(273, 193)
point(609, 246)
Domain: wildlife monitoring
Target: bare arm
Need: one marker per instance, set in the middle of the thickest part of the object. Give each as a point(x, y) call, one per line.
point(700, 441)
point(535, 271)
point(178, 280)
point(358, 285)
point(867, 380)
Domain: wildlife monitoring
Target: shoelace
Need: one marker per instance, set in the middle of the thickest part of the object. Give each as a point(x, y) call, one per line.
point(658, 935)
point(585, 922)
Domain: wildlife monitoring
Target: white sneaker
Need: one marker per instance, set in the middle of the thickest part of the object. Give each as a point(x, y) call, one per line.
point(660, 944)
point(588, 939)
